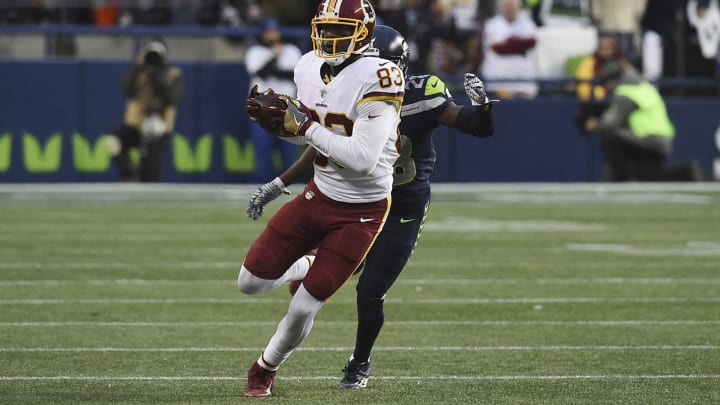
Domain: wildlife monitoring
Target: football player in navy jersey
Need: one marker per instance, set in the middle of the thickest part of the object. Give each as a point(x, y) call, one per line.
point(427, 104)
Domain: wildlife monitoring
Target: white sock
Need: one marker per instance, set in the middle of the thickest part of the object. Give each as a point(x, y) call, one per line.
point(293, 328)
point(297, 270)
point(251, 284)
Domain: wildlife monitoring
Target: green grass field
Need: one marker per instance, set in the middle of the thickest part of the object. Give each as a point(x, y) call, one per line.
point(515, 294)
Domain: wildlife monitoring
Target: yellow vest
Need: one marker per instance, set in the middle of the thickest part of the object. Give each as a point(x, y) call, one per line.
point(650, 118)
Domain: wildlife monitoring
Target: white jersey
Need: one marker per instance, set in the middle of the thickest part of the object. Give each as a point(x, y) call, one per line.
point(356, 134)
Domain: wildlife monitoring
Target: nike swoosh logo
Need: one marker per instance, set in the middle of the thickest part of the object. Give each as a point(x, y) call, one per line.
point(405, 221)
point(363, 220)
point(433, 85)
point(372, 116)
point(383, 64)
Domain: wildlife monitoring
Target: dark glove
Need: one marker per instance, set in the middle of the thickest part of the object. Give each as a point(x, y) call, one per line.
point(296, 119)
point(263, 195)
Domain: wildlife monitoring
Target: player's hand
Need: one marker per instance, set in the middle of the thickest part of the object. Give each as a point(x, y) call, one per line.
point(296, 119)
point(251, 105)
point(263, 195)
point(475, 90)
point(590, 124)
point(254, 92)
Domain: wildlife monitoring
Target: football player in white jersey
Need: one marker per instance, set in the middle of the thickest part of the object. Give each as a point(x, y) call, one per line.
point(348, 111)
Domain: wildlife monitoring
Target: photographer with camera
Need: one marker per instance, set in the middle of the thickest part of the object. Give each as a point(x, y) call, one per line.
point(635, 131)
point(152, 89)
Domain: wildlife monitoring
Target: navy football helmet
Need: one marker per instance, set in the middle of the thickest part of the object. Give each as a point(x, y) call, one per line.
point(391, 45)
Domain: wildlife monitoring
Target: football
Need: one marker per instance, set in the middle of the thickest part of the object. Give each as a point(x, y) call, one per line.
point(264, 107)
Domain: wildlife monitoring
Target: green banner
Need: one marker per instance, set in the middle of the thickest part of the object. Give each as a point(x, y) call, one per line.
point(5, 149)
point(188, 161)
point(38, 160)
point(238, 159)
point(89, 159)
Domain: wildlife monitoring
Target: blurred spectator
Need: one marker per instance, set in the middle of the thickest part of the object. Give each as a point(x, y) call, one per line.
point(240, 12)
point(608, 50)
point(232, 13)
point(153, 89)
point(670, 45)
point(508, 42)
point(560, 12)
point(704, 15)
point(618, 15)
point(46, 12)
point(636, 133)
point(106, 12)
point(10, 14)
point(395, 13)
point(445, 53)
point(146, 12)
point(271, 64)
point(295, 12)
point(464, 16)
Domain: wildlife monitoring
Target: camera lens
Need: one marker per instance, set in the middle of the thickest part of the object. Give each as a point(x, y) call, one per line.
point(153, 58)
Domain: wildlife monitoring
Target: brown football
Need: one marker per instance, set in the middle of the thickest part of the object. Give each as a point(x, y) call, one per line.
point(271, 105)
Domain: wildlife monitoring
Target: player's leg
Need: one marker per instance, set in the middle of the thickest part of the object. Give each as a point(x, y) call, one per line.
point(119, 142)
point(339, 254)
point(152, 156)
point(252, 284)
point(383, 265)
point(276, 256)
point(291, 331)
point(618, 164)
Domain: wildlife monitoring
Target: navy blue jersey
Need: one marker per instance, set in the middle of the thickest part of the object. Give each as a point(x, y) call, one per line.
point(426, 96)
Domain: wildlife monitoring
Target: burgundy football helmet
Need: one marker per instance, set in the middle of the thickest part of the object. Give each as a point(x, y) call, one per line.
point(341, 28)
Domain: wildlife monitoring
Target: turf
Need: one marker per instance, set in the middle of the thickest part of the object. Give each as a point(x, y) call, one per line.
point(517, 294)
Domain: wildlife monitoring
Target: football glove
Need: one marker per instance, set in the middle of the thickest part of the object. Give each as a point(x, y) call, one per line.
point(263, 195)
point(254, 92)
point(251, 104)
point(475, 90)
point(296, 119)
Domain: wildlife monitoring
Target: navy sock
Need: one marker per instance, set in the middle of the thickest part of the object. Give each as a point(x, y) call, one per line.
point(370, 321)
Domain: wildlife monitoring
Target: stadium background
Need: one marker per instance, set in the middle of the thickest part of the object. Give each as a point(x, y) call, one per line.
point(518, 293)
point(54, 108)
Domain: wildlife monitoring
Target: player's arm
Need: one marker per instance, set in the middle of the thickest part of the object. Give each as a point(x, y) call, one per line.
point(476, 121)
point(361, 151)
point(302, 167)
point(615, 116)
point(272, 190)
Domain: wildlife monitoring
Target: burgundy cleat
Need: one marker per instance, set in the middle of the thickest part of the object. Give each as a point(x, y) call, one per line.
point(260, 382)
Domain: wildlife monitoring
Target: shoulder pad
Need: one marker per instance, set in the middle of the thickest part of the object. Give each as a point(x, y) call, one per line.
point(434, 85)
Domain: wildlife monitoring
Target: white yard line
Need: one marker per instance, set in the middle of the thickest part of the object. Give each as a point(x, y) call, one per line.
point(351, 323)
point(379, 377)
point(407, 281)
point(119, 265)
point(560, 300)
point(193, 265)
point(340, 349)
point(688, 250)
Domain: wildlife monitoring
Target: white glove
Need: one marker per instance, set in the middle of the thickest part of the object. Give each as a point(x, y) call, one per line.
point(475, 90)
point(263, 195)
point(153, 127)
